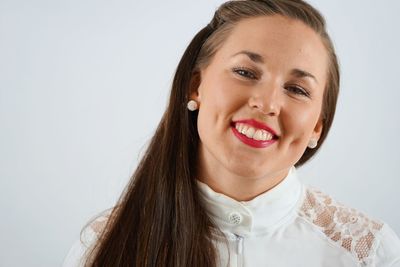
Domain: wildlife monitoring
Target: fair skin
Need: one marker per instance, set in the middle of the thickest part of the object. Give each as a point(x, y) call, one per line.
point(239, 85)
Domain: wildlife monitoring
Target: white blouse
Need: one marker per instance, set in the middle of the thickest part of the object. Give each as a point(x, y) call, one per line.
point(288, 226)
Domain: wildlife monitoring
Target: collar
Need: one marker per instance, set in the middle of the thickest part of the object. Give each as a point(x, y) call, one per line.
point(260, 215)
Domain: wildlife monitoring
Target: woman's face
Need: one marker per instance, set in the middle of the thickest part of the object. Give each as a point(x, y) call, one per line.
point(260, 98)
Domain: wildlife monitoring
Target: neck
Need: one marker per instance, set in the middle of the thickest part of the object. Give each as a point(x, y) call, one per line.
point(236, 185)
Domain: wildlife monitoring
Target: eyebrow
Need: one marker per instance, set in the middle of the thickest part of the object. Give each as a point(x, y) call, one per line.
point(257, 58)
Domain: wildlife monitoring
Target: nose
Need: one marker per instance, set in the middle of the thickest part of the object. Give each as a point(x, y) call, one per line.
point(266, 100)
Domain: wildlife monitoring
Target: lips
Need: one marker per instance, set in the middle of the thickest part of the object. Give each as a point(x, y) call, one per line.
point(257, 124)
point(254, 133)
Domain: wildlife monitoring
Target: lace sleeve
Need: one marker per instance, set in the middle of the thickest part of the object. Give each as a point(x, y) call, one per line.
point(88, 237)
point(388, 252)
point(344, 226)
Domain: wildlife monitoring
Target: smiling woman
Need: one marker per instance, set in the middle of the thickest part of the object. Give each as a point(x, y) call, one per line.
point(253, 98)
point(255, 93)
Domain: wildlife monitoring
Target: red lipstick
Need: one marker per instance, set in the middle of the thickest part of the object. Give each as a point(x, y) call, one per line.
point(257, 124)
point(251, 142)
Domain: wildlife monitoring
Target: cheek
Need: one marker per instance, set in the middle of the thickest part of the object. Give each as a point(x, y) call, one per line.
point(220, 98)
point(301, 121)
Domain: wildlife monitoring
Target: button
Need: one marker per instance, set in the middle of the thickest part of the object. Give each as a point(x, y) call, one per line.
point(235, 218)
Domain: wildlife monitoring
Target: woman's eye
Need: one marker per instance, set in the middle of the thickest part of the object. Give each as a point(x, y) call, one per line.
point(245, 73)
point(298, 91)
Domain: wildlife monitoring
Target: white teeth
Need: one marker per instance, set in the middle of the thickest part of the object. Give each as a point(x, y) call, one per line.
point(250, 132)
point(264, 135)
point(256, 134)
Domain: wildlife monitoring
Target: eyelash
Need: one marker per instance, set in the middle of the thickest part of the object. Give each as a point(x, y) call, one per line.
point(249, 74)
point(298, 90)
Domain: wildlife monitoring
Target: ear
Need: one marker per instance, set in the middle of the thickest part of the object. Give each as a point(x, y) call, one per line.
point(195, 82)
point(316, 134)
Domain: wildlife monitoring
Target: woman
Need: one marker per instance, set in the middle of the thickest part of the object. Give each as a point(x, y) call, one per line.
point(253, 97)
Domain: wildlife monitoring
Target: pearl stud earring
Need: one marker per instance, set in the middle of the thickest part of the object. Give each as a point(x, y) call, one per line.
point(312, 143)
point(192, 105)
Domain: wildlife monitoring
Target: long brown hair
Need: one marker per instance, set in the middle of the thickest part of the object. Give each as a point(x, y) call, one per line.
point(160, 219)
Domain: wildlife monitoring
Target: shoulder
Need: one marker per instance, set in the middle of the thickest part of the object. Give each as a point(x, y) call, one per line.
point(346, 227)
point(94, 228)
point(89, 235)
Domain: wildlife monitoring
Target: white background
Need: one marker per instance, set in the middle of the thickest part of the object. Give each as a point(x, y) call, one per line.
point(83, 85)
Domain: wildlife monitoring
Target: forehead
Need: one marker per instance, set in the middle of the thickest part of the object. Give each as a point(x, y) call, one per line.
point(283, 42)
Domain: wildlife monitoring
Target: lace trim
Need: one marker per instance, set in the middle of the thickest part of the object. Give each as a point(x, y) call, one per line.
point(346, 226)
point(91, 232)
point(98, 225)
